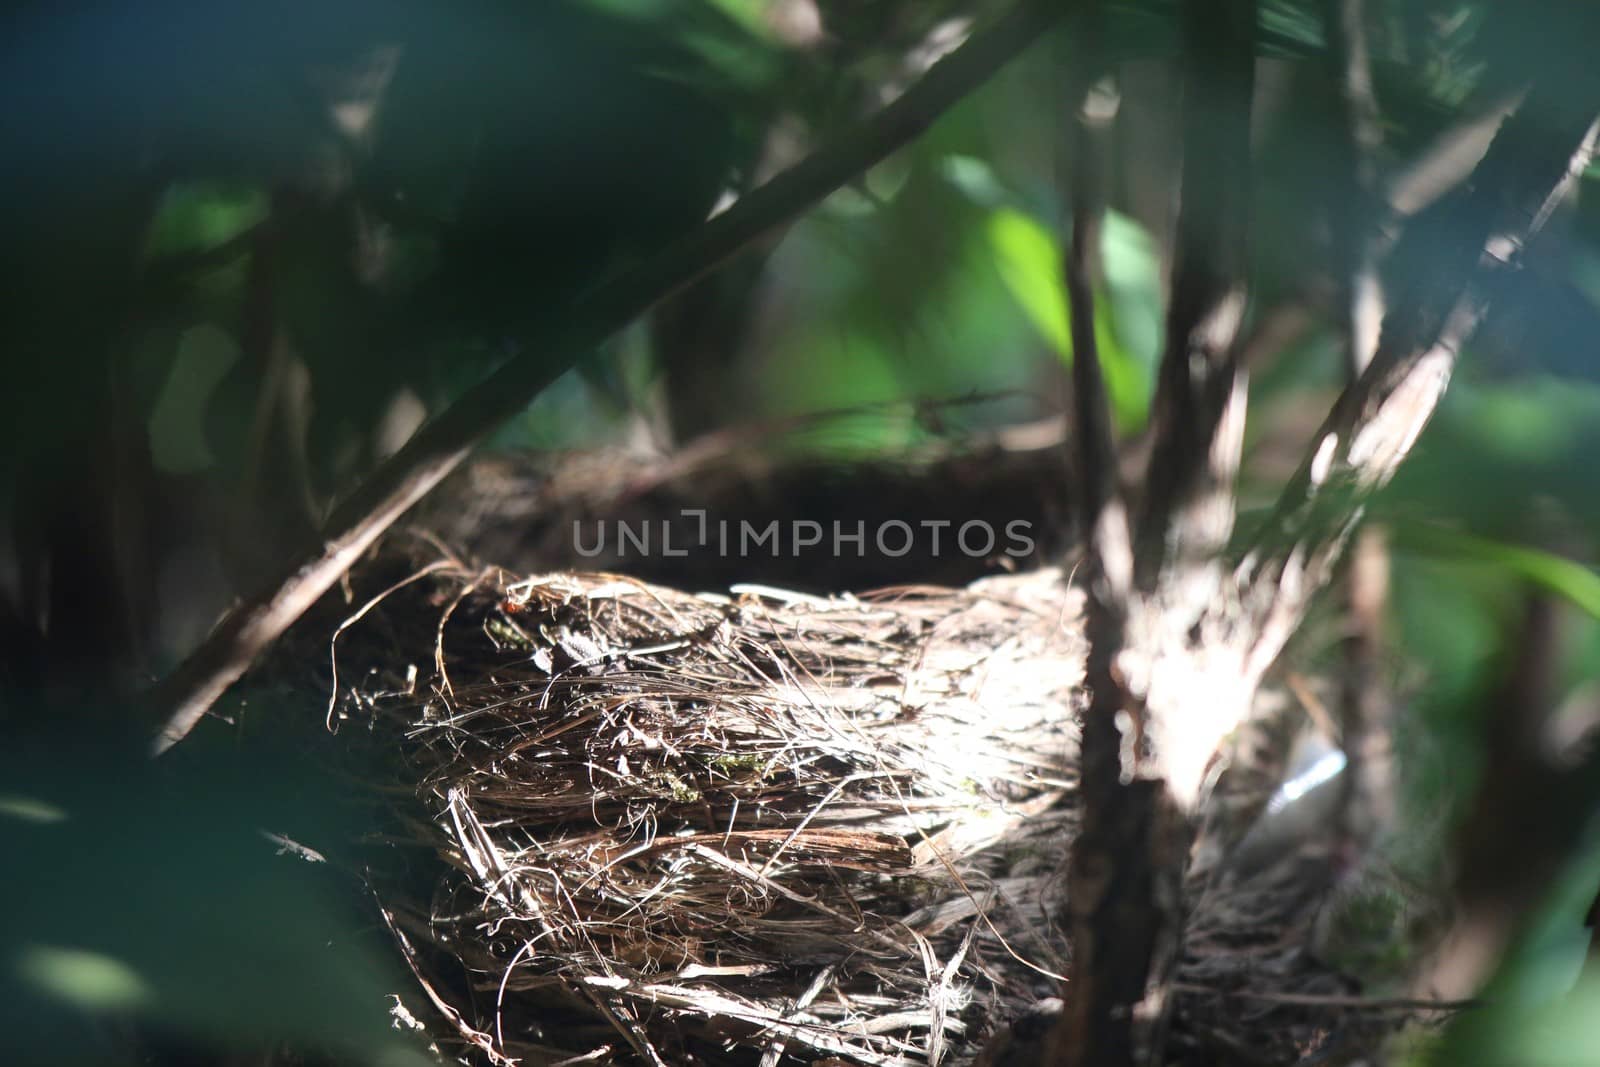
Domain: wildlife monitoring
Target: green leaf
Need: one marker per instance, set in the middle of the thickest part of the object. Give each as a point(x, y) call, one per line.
point(1563, 577)
point(89, 980)
point(1132, 270)
point(30, 810)
point(975, 178)
point(195, 216)
point(1029, 258)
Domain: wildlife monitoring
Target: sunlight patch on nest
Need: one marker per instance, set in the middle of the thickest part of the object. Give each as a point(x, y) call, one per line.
point(759, 827)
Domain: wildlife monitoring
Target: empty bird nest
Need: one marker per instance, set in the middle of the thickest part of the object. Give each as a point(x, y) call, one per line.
point(761, 827)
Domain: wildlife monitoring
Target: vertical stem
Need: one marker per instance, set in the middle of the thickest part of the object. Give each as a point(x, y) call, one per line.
point(1094, 451)
point(1360, 136)
point(1355, 239)
point(1126, 865)
point(1197, 412)
point(1093, 98)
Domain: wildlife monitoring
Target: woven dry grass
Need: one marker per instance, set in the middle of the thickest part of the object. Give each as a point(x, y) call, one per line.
point(759, 828)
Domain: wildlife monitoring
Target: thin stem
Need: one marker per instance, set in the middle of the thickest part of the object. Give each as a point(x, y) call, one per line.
point(1355, 239)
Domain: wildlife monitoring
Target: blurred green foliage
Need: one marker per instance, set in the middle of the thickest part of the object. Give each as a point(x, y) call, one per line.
point(1030, 262)
point(154, 893)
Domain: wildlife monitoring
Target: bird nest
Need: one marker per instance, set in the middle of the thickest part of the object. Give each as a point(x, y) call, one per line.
point(761, 827)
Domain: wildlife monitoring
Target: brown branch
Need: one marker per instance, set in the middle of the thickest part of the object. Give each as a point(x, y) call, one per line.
point(182, 698)
point(1197, 413)
point(1529, 168)
point(1527, 821)
point(1529, 816)
point(1447, 160)
point(1353, 228)
point(1515, 836)
point(1094, 451)
point(1101, 513)
point(1356, 236)
point(1126, 873)
point(1113, 937)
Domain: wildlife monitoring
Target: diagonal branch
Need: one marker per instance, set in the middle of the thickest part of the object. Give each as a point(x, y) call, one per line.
point(1532, 164)
point(182, 698)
